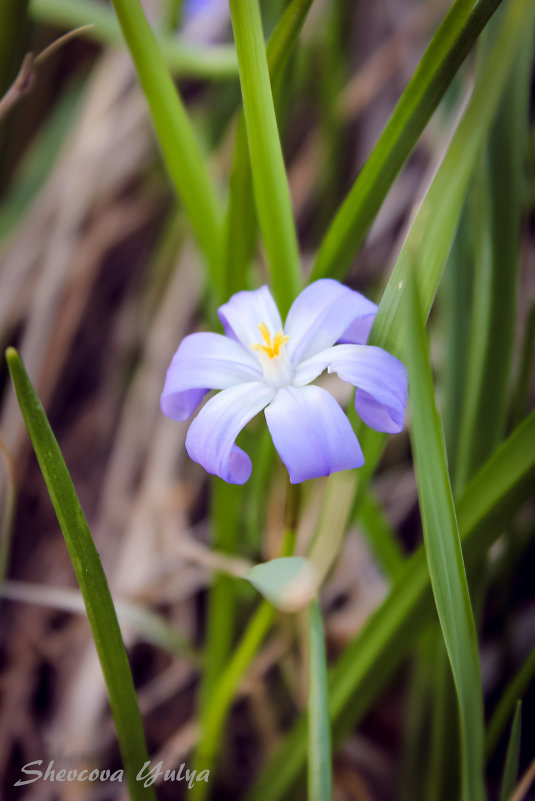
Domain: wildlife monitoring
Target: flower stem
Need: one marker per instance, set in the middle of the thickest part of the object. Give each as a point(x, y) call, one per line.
point(319, 731)
point(215, 709)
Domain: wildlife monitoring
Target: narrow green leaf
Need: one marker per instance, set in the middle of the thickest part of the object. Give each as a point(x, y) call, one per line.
point(427, 245)
point(429, 240)
point(271, 190)
point(497, 219)
point(91, 579)
point(333, 51)
point(454, 328)
point(225, 515)
point(444, 554)
point(319, 731)
point(498, 489)
point(283, 39)
point(525, 367)
point(446, 52)
point(442, 780)
point(172, 14)
point(263, 456)
point(240, 221)
point(215, 712)
point(504, 709)
point(184, 59)
point(179, 146)
point(415, 740)
point(512, 757)
point(380, 535)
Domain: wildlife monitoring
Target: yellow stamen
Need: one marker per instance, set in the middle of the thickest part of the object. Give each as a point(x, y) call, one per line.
point(272, 346)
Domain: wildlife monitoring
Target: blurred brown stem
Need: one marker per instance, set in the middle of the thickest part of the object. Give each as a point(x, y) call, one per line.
point(25, 79)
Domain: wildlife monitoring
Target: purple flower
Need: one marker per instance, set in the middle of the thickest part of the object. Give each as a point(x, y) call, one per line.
point(258, 365)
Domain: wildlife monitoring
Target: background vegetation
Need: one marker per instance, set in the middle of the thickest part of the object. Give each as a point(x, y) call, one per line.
point(128, 212)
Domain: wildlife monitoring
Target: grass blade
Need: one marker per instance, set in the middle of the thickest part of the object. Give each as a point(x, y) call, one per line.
point(515, 689)
point(429, 240)
point(269, 177)
point(497, 217)
point(240, 218)
point(417, 712)
point(91, 579)
point(442, 780)
point(446, 52)
point(444, 555)
point(498, 489)
point(319, 732)
point(215, 712)
point(381, 536)
point(240, 221)
point(521, 395)
point(512, 757)
point(226, 499)
point(427, 245)
point(179, 146)
point(454, 310)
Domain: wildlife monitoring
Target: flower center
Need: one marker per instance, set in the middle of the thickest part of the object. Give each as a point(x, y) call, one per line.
point(273, 346)
point(277, 370)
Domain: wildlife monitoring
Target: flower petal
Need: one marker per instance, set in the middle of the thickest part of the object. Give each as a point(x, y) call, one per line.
point(359, 330)
point(245, 311)
point(380, 378)
point(322, 314)
point(204, 361)
point(311, 433)
point(210, 440)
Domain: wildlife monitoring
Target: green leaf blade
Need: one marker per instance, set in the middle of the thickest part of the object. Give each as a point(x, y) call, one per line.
point(512, 756)
point(497, 213)
point(269, 176)
point(446, 52)
point(502, 485)
point(444, 555)
point(514, 691)
point(427, 245)
point(180, 149)
point(240, 220)
point(91, 579)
